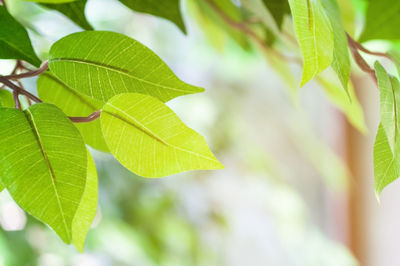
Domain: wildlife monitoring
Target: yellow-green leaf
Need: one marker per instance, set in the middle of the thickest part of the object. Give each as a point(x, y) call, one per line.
point(149, 139)
point(314, 34)
point(103, 64)
point(87, 208)
point(6, 98)
point(43, 164)
point(53, 90)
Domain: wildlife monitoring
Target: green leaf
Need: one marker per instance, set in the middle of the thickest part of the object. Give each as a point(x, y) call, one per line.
point(87, 208)
point(6, 99)
point(72, 103)
point(14, 40)
point(314, 33)
point(382, 20)
point(74, 11)
point(278, 9)
point(1, 187)
point(43, 164)
point(387, 144)
point(150, 140)
point(168, 9)
point(103, 64)
point(341, 60)
point(51, 1)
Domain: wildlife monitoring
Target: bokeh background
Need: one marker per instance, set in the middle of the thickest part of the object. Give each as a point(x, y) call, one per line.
point(298, 185)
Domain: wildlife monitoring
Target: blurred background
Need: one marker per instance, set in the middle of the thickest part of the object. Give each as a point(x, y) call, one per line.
point(298, 185)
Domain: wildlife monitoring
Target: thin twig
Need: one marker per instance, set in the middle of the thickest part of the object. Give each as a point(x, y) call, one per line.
point(357, 45)
point(246, 30)
point(86, 119)
point(36, 72)
point(363, 65)
point(14, 87)
point(16, 100)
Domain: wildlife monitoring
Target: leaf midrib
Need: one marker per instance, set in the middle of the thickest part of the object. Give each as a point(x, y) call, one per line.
point(148, 132)
point(124, 72)
point(31, 121)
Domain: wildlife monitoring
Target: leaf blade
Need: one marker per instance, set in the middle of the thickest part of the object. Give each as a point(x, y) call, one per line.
point(152, 149)
point(95, 64)
point(31, 147)
point(14, 40)
point(314, 35)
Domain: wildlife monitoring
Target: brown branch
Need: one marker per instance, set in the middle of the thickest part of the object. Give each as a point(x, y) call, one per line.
point(20, 90)
point(3, 3)
point(86, 119)
point(247, 31)
point(36, 72)
point(16, 100)
point(357, 45)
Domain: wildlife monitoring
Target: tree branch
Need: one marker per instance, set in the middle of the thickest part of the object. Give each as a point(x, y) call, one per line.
point(43, 67)
point(358, 46)
point(14, 87)
point(86, 119)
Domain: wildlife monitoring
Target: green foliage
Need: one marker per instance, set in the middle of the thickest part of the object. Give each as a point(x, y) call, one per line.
point(6, 99)
point(314, 34)
point(44, 164)
point(382, 20)
point(341, 60)
point(387, 144)
point(52, 90)
point(14, 40)
point(87, 207)
point(278, 9)
point(74, 11)
point(104, 64)
point(149, 139)
point(168, 9)
point(114, 89)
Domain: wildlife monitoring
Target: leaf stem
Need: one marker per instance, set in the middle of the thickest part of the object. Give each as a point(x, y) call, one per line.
point(90, 118)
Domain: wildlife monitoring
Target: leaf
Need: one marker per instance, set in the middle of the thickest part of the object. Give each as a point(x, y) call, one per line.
point(6, 99)
point(103, 64)
point(168, 9)
point(382, 20)
point(341, 60)
point(14, 40)
point(43, 163)
point(278, 9)
point(387, 144)
point(52, 1)
point(74, 11)
point(150, 140)
point(87, 208)
point(314, 33)
point(52, 90)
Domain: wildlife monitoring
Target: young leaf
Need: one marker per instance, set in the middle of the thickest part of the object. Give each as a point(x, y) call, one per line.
point(72, 103)
point(278, 9)
point(74, 11)
point(382, 20)
point(6, 99)
point(149, 139)
point(43, 163)
point(87, 208)
point(14, 40)
point(341, 60)
point(168, 9)
point(314, 34)
point(103, 64)
point(387, 144)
